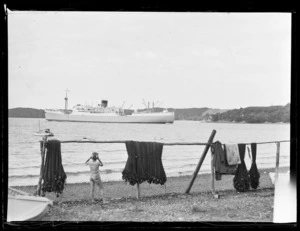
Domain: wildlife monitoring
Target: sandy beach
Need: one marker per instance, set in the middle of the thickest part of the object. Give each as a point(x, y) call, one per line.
point(165, 202)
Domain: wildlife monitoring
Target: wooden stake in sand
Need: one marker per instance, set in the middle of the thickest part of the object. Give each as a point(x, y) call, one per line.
point(212, 174)
point(38, 190)
point(138, 191)
point(209, 142)
point(137, 184)
point(277, 160)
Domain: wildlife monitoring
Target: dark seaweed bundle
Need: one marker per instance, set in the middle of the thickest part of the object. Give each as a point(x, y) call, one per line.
point(253, 172)
point(144, 163)
point(54, 176)
point(241, 180)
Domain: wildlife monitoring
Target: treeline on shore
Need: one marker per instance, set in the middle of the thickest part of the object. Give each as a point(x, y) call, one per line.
point(271, 114)
point(21, 112)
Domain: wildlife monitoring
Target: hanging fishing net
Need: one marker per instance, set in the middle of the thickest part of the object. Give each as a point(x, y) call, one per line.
point(144, 163)
point(241, 180)
point(253, 172)
point(54, 176)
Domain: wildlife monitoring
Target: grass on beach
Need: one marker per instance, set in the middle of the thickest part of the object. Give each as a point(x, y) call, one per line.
point(160, 203)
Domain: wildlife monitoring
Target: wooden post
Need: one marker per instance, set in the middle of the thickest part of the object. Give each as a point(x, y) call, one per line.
point(137, 184)
point(212, 175)
point(277, 160)
point(138, 191)
point(38, 190)
point(209, 142)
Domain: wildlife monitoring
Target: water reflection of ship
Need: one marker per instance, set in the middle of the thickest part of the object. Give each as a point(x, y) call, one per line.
point(104, 114)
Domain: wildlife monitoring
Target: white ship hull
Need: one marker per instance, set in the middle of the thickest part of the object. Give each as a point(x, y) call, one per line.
point(159, 117)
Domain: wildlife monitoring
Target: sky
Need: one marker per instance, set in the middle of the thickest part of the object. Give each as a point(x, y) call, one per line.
point(176, 60)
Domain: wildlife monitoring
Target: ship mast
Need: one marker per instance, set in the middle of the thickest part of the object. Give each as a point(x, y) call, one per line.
point(66, 100)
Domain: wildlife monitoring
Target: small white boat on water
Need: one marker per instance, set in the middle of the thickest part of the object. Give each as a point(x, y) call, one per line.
point(22, 206)
point(103, 114)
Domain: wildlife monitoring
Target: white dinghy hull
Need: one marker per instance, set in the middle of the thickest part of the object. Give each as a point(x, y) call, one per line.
point(22, 206)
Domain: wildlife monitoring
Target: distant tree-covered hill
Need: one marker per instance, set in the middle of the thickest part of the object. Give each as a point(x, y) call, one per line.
point(194, 113)
point(26, 113)
point(190, 113)
point(272, 114)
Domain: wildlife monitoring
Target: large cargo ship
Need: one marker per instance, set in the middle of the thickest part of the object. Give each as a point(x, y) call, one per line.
point(104, 114)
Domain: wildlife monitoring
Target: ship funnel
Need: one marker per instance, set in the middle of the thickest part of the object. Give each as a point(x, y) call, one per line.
point(104, 103)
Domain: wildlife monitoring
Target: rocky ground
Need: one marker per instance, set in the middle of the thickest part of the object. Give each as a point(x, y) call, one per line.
point(165, 203)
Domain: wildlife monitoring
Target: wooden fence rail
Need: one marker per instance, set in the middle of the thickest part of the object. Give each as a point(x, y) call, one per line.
point(207, 146)
point(124, 141)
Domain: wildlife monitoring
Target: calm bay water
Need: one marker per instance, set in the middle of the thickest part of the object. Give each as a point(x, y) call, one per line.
point(24, 151)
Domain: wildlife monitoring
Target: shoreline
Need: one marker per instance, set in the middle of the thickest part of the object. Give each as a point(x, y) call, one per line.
point(180, 175)
point(201, 121)
point(242, 122)
point(174, 184)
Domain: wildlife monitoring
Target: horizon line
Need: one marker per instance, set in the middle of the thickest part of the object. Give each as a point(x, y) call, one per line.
point(177, 108)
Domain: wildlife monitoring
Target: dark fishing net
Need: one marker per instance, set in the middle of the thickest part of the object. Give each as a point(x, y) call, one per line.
point(54, 176)
point(253, 172)
point(241, 180)
point(144, 163)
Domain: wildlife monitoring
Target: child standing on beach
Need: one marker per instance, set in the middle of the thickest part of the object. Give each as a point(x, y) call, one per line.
point(95, 175)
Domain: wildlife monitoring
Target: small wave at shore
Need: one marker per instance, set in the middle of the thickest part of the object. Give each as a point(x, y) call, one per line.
point(71, 174)
point(116, 175)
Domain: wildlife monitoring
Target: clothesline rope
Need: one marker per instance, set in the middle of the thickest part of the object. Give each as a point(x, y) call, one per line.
point(170, 143)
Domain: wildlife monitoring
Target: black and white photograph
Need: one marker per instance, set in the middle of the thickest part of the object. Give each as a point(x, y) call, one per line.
point(135, 116)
